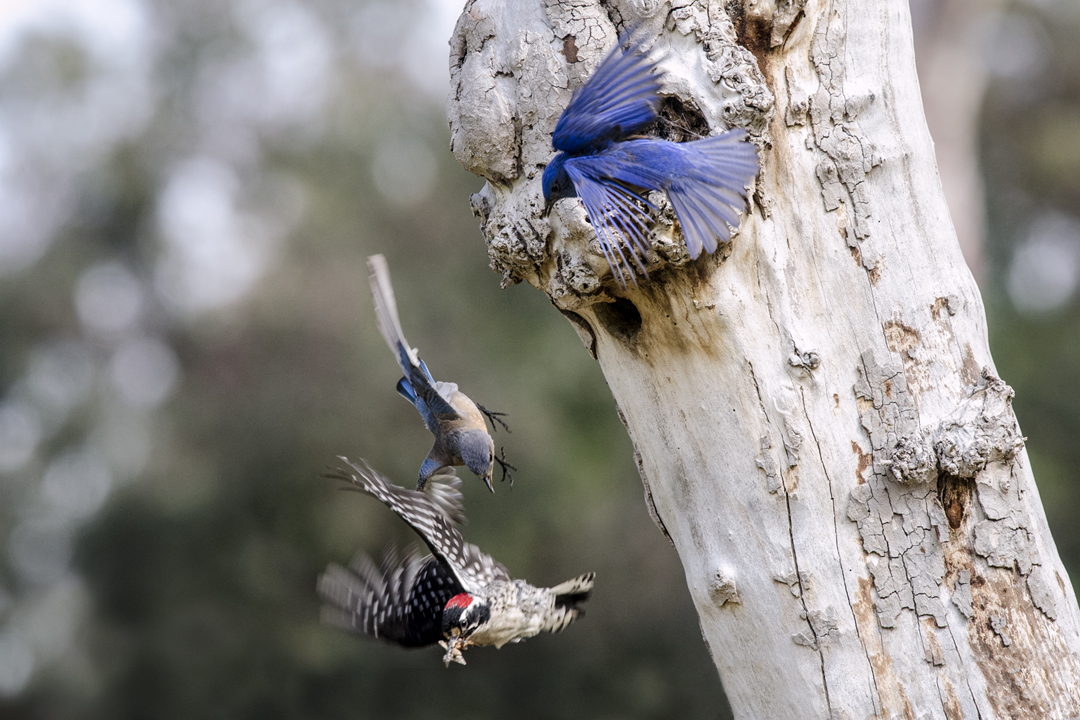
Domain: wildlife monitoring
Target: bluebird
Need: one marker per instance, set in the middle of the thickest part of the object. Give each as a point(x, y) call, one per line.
point(610, 167)
point(457, 596)
point(458, 423)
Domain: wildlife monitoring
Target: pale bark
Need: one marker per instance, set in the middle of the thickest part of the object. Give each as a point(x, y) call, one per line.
point(815, 410)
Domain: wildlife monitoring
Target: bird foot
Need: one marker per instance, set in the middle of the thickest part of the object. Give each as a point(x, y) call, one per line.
point(506, 467)
point(493, 417)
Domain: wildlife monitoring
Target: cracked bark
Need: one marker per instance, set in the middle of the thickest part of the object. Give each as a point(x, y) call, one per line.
point(816, 416)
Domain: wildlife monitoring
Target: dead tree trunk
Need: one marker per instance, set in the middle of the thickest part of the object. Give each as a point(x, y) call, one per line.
point(816, 415)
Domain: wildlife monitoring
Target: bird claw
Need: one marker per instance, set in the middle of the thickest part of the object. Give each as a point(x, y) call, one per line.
point(453, 651)
point(493, 417)
point(506, 467)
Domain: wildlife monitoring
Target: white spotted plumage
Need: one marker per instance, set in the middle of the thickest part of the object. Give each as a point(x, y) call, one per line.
point(475, 569)
point(402, 601)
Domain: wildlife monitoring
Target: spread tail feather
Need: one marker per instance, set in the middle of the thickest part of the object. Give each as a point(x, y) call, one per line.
point(386, 313)
point(568, 596)
point(710, 199)
point(572, 592)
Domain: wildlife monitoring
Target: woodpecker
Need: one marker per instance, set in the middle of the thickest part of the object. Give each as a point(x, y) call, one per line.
point(457, 596)
point(458, 423)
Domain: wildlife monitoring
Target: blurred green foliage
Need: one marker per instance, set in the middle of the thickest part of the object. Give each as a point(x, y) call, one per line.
point(1030, 148)
point(237, 162)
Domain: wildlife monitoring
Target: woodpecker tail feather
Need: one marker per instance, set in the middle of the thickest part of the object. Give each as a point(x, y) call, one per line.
point(568, 596)
point(574, 591)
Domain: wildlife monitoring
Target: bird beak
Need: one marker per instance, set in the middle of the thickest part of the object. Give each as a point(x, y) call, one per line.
point(548, 204)
point(487, 481)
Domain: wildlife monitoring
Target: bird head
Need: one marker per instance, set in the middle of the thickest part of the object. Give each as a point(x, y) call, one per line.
point(556, 182)
point(478, 452)
point(462, 615)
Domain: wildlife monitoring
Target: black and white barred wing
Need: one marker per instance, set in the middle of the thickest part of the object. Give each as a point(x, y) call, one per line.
point(400, 602)
point(474, 569)
point(444, 490)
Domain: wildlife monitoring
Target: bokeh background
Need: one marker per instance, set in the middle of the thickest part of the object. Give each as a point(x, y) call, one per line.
point(188, 192)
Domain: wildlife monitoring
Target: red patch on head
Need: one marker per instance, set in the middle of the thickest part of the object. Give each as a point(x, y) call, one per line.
point(461, 600)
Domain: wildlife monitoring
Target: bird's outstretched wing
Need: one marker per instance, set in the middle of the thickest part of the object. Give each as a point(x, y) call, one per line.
point(609, 187)
point(705, 181)
point(444, 490)
point(709, 190)
point(619, 99)
point(474, 569)
point(400, 602)
point(417, 386)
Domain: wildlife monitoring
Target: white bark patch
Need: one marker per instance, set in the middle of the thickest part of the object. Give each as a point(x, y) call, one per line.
point(650, 504)
point(722, 588)
point(849, 155)
point(961, 596)
point(998, 625)
point(792, 580)
point(898, 511)
point(1041, 593)
point(980, 433)
point(886, 410)
point(821, 626)
point(766, 462)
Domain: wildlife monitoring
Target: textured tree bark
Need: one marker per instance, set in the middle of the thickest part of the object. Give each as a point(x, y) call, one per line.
point(815, 411)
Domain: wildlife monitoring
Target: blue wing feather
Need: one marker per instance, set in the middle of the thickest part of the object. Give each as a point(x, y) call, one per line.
point(644, 164)
point(705, 181)
point(709, 188)
point(701, 228)
point(406, 391)
point(613, 208)
point(418, 388)
point(619, 99)
point(423, 366)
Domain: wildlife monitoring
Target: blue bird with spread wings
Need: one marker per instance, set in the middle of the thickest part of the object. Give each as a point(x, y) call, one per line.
point(610, 167)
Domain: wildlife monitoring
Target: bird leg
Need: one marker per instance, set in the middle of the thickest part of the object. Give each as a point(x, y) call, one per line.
point(493, 417)
point(506, 467)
